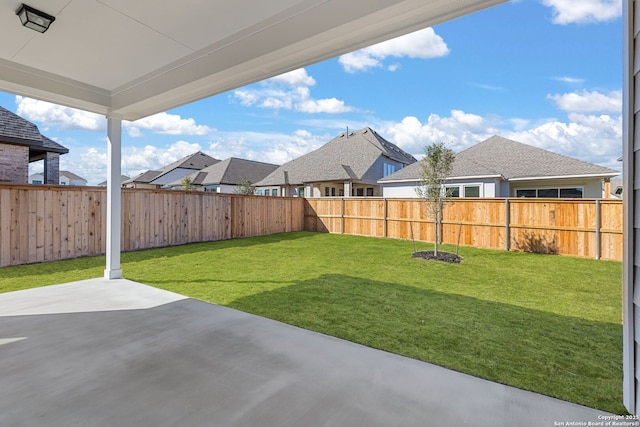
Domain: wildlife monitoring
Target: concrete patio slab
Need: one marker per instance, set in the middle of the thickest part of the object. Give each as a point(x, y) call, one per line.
point(118, 353)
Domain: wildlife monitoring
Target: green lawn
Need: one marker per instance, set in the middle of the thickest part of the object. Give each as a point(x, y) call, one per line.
point(544, 323)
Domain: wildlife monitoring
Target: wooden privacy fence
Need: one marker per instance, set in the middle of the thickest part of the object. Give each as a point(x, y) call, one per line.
point(578, 227)
point(47, 223)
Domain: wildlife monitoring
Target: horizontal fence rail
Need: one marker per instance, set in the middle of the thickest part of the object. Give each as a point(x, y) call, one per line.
point(577, 227)
point(48, 223)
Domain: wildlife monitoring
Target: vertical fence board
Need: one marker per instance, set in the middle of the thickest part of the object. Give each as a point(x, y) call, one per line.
point(5, 226)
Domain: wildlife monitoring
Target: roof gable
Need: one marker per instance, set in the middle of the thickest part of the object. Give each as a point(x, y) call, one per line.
point(231, 171)
point(72, 176)
point(348, 156)
point(503, 158)
point(517, 160)
point(196, 161)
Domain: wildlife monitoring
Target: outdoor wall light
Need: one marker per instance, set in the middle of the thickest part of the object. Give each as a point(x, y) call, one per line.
point(34, 19)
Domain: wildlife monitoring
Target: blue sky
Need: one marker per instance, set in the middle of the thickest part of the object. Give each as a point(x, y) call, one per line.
point(543, 72)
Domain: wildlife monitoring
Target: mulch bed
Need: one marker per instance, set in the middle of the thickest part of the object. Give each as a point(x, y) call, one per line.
point(442, 256)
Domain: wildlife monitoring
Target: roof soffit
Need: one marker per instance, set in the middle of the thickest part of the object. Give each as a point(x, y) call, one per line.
point(137, 60)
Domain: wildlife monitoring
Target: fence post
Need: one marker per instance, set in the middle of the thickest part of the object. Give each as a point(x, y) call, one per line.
point(507, 221)
point(342, 215)
point(384, 217)
point(597, 229)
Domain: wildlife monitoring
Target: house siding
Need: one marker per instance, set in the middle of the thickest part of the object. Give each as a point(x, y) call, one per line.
point(408, 189)
point(497, 188)
point(631, 215)
point(14, 163)
point(592, 188)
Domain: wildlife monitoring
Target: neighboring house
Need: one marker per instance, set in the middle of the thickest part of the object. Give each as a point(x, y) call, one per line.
point(171, 173)
point(22, 143)
point(349, 165)
point(70, 178)
point(616, 188)
point(499, 167)
point(123, 178)
point(224, 176)
point(66, 178)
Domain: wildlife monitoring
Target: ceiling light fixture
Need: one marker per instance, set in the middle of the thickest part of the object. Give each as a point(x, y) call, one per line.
point(34, 19)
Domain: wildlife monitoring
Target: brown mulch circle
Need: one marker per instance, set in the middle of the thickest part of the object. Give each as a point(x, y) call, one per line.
point(442, 256)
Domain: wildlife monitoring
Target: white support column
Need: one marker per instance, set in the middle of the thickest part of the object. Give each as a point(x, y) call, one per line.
point(114, 200)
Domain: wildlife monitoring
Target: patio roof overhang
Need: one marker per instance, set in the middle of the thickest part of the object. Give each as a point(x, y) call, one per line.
point(131, 59)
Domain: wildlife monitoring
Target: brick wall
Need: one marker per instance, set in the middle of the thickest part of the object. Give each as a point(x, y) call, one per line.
point(14, 163)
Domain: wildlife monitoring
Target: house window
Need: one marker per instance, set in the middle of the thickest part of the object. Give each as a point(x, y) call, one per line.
point(326, 191)
point(360, 192)
point(548, 193)
point(369, 191)
point(452, 191)
point(37, 181)
point(472, 191)
point(552, 193)
point(274, 192)
point(341, 192)
point(259, 192)
point(266, 192)
point(389, 169)
point(571, 193)
point(300, 191)
point(526, 193)
point(333, 191)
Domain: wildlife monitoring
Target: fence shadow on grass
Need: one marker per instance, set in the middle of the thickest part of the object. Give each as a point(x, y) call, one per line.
point(566, 357)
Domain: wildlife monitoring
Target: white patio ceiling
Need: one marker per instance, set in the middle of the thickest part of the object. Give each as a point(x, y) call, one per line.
point(134, 58)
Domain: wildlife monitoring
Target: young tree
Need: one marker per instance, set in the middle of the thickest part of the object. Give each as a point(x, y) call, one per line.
point(437, 165)
point(245, 187)
point(187, 183)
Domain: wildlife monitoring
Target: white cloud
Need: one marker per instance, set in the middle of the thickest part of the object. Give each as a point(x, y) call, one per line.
point(423, 44)
point(331, 106)
point(276, 148)
point(57, 115)
point(294, 78)
point(460, 130)
point(136, 160)
point(66, 118)
point(595, 139)
point(589, 102)
point(584, 11)
point(592, 138)
point(492, 88)
point(570, 80)
point(289, 91)
point(167, 124)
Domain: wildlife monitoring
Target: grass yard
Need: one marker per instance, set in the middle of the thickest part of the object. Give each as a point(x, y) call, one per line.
point(544, 323)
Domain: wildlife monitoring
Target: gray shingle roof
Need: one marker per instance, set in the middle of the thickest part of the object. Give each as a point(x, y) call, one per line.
point(15, 129)
point(502, 157)
point(231, 171)
point(345, 157)
point(196, 161)
point(51, 145)
point(14, 126)
point(123, 178)
point(144, 177)
point(72, 176)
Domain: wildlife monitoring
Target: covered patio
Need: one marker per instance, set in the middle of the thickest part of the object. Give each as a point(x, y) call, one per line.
point(113, 352)
point(118, 353)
